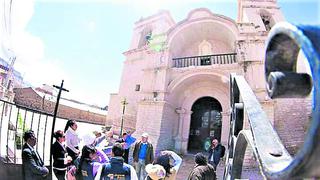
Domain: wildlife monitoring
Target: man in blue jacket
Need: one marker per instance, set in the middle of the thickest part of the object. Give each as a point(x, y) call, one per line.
point(215, 153)
point(143, 154)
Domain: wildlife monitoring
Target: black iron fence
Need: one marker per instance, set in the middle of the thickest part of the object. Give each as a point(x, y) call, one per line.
point(204, 60)
point(284, 43)
point(14, 121)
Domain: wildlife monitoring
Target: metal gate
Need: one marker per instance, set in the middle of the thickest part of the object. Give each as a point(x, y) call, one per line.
point(14, 121)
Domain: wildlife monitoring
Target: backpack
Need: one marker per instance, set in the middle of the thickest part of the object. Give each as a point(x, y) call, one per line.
point(223, 151)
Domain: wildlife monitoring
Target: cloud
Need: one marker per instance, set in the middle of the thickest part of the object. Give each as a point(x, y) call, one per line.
point(31, 60)
point(22, 12)
point(26, 46)
point(29, 49)
point(91, 26)
point(42, 72)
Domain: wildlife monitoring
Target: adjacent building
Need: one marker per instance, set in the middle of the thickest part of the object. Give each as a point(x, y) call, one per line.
point(44, 100)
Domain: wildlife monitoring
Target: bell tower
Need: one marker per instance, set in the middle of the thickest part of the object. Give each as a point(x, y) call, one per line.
point(255, 19)
point(263, 14)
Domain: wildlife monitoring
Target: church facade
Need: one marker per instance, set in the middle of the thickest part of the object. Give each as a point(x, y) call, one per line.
point(175, 79)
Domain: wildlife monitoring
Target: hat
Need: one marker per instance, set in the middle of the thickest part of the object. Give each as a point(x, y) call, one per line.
point(155, 171)
point(88, 139)
point(145, 134)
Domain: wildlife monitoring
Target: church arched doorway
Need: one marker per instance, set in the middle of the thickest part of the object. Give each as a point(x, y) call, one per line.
point(205, 123)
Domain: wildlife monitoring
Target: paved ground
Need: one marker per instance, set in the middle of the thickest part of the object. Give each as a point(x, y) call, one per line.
point(188, 164)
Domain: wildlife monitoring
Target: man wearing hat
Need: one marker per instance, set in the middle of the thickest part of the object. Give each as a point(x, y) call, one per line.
point(142, 155)
point(155, 172)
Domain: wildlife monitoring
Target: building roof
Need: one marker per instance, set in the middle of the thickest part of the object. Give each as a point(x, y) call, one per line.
point(52, 96)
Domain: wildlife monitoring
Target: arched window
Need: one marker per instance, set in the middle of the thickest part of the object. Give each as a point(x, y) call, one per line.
point(205, 48)
point(267, 19)
point(145, 36)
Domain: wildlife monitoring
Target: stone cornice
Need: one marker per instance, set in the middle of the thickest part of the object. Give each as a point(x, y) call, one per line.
point(163, 67)
point(251, 40)
point(136, 50)
point(260, 6)
point(150, 92)
point(222, 67)
point(252, 62)
point(151, 102)
point(155, 17)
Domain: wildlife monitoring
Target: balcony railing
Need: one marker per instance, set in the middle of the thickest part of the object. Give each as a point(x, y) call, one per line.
point(207, 60)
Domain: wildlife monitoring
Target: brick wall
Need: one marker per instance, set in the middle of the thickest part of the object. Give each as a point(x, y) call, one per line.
point(29, 98)
point(291, 121)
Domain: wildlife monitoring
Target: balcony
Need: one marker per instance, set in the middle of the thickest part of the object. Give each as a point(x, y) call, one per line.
point(207, 60)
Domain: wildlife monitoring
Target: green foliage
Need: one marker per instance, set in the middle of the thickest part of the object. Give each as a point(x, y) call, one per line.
point(21, 129)
point(157, 42)
point(20, 122)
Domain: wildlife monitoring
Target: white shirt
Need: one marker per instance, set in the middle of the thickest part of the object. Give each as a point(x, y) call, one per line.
point(177, 160)
point(32, 149)
point(133, 173)
point(72, 140)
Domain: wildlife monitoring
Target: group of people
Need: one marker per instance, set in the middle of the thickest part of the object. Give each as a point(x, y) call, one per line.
point(69, 162)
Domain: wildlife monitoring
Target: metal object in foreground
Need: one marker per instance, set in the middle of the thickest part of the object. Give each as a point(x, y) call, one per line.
point(284, 44)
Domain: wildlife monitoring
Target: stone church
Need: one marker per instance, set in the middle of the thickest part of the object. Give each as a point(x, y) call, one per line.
point(175, 78)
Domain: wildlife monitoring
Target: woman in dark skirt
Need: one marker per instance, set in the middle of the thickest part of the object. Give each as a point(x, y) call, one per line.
point(72, 139)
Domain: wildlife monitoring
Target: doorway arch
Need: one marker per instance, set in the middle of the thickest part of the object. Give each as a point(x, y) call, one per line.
point(206, 123)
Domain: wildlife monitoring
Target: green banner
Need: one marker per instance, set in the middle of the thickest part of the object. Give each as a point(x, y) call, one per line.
point(157, 42)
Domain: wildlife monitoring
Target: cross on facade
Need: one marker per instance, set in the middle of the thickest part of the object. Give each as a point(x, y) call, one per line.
point(124, 103)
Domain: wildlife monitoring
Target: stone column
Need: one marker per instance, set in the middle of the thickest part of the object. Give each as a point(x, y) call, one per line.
point(181, 140)
point(225, 127)
point(178, 137)
point(186, 131)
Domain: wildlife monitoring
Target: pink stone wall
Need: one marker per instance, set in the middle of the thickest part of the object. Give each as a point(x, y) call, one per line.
point(292, 117)
point(169, 119)
point(114, 110)
point(162, 107)
point(149, 120)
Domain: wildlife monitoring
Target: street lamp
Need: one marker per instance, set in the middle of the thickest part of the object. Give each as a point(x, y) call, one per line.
point(124, 103)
